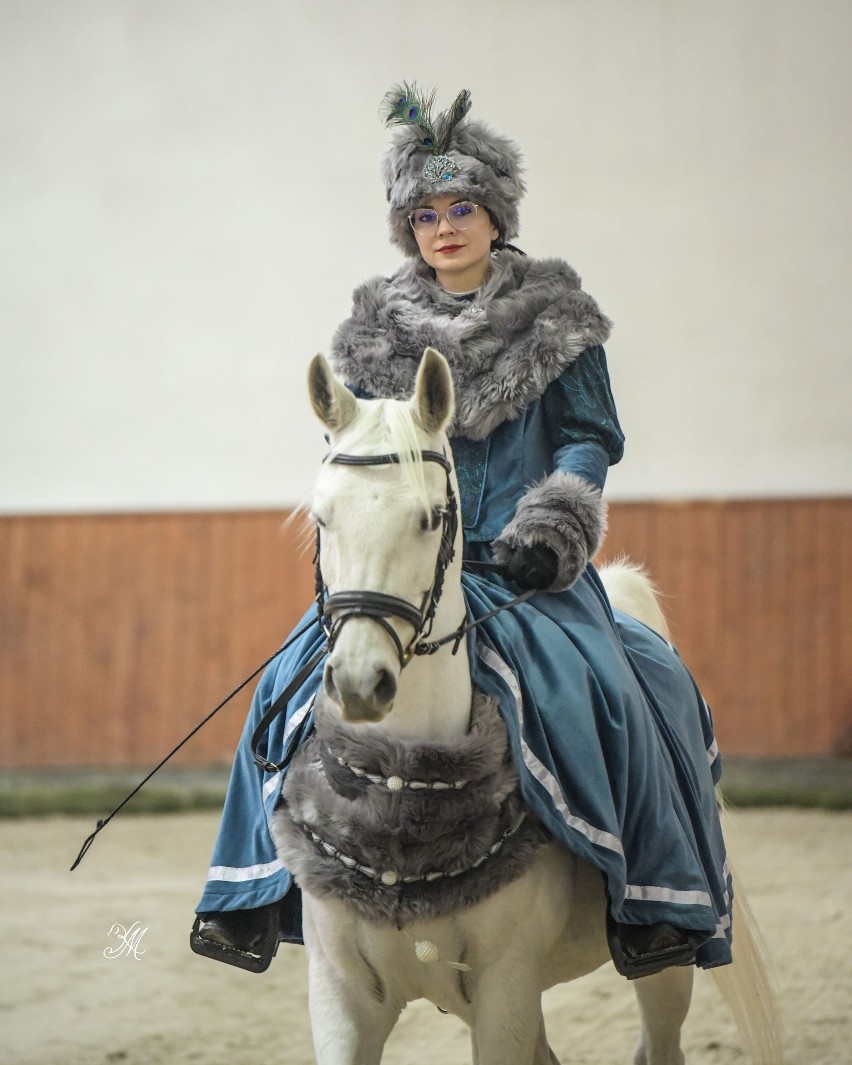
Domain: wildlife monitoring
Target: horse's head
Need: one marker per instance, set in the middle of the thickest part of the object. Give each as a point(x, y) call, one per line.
point(387, 530)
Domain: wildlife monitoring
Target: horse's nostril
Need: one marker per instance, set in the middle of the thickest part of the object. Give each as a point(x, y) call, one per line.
point(328, 682)
point(386, 687)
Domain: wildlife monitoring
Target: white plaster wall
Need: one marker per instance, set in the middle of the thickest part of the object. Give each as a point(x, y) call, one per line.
point(189, 193)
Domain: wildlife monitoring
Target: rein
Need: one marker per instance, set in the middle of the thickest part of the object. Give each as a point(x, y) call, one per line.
point(333, 611)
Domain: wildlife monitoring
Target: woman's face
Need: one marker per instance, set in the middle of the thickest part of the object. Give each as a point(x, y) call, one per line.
point(459, 256)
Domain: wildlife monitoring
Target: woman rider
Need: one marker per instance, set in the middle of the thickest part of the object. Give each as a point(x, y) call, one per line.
point(615, 720)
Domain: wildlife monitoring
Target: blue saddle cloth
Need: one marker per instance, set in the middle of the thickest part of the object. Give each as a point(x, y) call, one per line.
point(613, 743)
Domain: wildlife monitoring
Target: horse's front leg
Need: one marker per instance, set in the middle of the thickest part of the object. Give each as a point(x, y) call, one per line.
point(508, 1026)
point(347, 1028)
point(352, 1009)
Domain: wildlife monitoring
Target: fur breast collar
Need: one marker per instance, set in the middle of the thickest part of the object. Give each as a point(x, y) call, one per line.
point(530, 321)
point(404, 831)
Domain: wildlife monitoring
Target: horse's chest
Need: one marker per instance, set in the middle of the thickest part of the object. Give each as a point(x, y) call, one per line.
point(408, 832)
point(547, 925)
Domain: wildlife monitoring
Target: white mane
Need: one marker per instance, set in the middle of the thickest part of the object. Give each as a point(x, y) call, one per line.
point(387, 426)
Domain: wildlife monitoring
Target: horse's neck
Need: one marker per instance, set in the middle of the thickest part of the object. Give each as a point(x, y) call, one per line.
point(434, 696)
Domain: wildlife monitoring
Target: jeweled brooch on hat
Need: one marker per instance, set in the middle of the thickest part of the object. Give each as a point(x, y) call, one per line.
point(440, 168)
point(407, 105)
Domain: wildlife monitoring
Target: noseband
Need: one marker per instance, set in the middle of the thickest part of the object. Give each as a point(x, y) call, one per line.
point(335, 610)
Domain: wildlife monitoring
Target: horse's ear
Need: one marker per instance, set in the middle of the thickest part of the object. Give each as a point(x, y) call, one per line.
point(333, 403)
point(433, 401)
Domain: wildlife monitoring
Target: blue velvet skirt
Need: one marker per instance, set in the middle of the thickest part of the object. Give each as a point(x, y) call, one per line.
point(612, 739)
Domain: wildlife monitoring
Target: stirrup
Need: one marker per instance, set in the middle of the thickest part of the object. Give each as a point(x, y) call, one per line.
point(650, 964)
point(255, 961)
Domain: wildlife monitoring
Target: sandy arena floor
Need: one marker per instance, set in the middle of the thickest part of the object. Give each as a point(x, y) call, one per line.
point(65, 1002)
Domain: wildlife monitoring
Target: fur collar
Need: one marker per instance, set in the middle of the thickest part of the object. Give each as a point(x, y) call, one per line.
point(339, 830)
point(530, 321)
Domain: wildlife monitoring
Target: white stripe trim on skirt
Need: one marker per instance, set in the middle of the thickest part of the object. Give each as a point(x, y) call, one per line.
point(539, 771)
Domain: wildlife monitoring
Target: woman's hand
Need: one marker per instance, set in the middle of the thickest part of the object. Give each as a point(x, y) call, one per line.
point(531, 565)
point(561, 518)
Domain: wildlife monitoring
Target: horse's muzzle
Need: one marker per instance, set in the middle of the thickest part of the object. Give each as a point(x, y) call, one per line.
point(365, 697)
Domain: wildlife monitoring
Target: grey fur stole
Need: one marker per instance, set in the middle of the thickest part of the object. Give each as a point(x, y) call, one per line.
point(530, 321)
point(441, 849)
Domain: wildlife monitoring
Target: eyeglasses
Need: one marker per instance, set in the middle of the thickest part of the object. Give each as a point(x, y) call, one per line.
point(426, 219)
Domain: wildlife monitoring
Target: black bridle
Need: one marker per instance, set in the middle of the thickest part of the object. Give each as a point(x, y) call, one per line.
point(335, 610)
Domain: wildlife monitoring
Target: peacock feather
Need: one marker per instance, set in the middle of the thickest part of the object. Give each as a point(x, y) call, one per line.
point(448, 120)
point(409, 105)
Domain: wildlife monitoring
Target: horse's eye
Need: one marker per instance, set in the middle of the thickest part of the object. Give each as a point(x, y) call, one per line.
point(432, 521)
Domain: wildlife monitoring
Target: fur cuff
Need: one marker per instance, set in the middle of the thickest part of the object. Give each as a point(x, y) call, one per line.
point(564, 512)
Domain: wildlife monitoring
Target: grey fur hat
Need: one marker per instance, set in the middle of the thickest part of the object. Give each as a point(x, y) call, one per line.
point(452, 155)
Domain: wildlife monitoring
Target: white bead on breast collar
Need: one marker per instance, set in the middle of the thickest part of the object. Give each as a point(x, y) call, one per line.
point(397, 783)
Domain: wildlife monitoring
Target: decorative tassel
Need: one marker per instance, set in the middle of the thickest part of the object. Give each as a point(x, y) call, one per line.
point(427, 952)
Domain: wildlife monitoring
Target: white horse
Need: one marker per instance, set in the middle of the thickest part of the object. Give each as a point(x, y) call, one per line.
point(381, 530)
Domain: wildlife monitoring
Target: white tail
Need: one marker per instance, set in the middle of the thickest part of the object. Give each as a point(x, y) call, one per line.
point(632, 591)
point(745, 985)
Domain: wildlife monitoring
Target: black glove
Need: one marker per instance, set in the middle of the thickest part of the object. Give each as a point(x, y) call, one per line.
point(532, 566)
